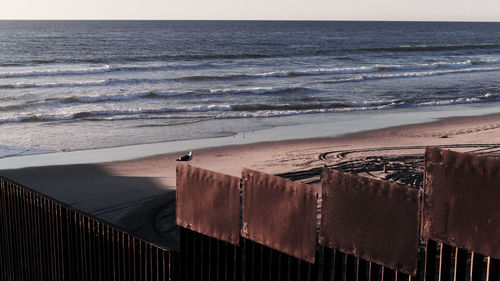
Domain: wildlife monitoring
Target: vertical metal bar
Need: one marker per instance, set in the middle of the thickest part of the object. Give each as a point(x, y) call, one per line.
point(88, 248)
point(17, 236)
point(8, 221)
point(61, 215)
point(211, 261)
point(33, 236)
point(459, 273)
point(48, 237)
point(313, 269)
point(228, 261)
point(155, 262)
point(77, 246)
point(46, 240)
point(265, 263)
point(477, 267)
point(339, 259)
point(89, 251)
point(130, 254)
point(55, 238)
point(105, 259)
point(113, 254)
point(402, 277)
point(55, 230)
point(23, 239)
point(102, 256)
point(374, 273)
point(13, 257)
point(71, 245)
point(350, 268)
point(83, 249)
point(430, 261)
point(96, 235)
point(151, 262)
point(361, 270)
point(388, 274)
point(3, 232)
point(493, 270)
point(189, 254)
point(3, 269)
point(124, 257)
point(237, 262)
point(201, 255)
point(244, 258)
point(134, 260)
point(444, 262)
point(174, 263)
point(145, 259)
point(327, 264)
point(3, 247)
point(118, 255)
point(18, 257)
point(232, 260)
point(256, 261)
point(164, 273)
point(182, 254)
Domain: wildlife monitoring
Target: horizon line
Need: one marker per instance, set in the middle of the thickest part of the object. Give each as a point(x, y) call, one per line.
point(269, 20)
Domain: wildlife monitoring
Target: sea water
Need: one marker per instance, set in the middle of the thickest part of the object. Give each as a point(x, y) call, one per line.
point(75, 85)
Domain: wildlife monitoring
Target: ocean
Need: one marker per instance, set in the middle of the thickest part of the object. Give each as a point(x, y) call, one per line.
point(77, 85)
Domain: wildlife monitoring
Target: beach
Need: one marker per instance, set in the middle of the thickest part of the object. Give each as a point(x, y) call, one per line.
point(139, 194)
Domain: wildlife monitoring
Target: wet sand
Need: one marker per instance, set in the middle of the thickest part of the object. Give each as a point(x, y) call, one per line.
point(139, 195)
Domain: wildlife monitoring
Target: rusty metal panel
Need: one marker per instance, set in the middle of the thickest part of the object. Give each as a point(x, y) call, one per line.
point(209, 203)
point(370, 219)
point(280, 214)
point(461, 200)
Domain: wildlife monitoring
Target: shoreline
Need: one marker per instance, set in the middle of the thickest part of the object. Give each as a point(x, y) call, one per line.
point(320, 126)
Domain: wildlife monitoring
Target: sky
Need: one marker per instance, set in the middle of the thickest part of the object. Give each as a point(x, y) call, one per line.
point(412, 10)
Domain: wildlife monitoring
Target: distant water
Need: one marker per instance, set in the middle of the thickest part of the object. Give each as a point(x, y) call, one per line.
point(70, 85)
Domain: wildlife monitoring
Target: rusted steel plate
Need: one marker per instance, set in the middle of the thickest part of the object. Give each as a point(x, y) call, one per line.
point(209, 203)
point(370, 219)
point(461, 200)
point(280, 214)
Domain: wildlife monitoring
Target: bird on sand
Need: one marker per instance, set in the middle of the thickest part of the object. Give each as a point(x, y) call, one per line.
point(186, 157)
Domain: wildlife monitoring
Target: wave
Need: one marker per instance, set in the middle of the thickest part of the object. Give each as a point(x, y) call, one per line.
point(86, 70)
point(431, 48)
point(377, 68)
point(248, 55)
point(282, 73)
point(261, 90)
point(23, 85)
point(74, 100)
point(121, 59)
point(224, 111)
point(55, 72)
point(127, 97)
point(360, 78)
point(121, 114)
point(92, 83)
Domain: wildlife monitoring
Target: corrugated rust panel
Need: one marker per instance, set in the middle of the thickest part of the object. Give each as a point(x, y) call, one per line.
point(462, 200)
point(280, 214)
point(209, 203)
point(371, 219)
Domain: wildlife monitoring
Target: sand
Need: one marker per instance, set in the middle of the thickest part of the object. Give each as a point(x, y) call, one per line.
point(139, 195)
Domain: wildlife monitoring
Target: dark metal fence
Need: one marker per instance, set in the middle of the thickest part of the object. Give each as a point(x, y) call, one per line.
point(43, 239)
point(370, 230)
